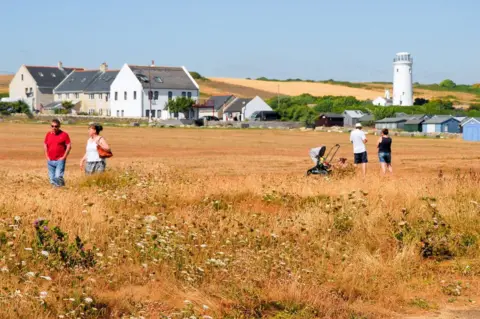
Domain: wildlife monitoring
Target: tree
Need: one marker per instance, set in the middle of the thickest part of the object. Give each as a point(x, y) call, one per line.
point(179, 105)
point(382, 112)
point(447, 83)
point(197, 76)
point(420, 101)
point(68, 105)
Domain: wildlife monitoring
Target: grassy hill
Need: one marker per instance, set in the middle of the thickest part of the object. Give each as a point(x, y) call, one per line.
point(4, 82)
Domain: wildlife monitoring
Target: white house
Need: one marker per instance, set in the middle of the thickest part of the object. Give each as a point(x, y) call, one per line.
point(255, 105)
point(35, 84)
point(383, 101)
point(138, 89)
point(233, 111)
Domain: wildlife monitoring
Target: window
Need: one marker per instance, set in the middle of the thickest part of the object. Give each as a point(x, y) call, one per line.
point(116, 96)
point(125, 95)
point(109, 112)
point(68, 95)
point(22, 77)
point(118, 113)
point(91, 96)
point(150, 95)
point(170, 95)
point(155, 95)
point(100, 112)
point(397, 70)
point(134, 95)
point(91, 111)
point(184, 94)
point(158, 79)
point(106, 97)
point(77, 95)
point(153, 113)
point(59, 96)
point(122, 113)
point(26, 90)
point(100, 96)
point(41, 74)
point(53, 75)
point(189, 95)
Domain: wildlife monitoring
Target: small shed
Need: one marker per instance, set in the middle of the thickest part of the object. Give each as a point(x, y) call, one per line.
point(352, 117)
point(441, 124)
point(393, 123)
point(329, 119)
point(471, 130)
point(414, 125)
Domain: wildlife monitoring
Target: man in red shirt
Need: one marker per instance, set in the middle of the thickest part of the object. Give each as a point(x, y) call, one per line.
point(57, 147)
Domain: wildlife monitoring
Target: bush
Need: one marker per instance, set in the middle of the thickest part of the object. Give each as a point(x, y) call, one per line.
point(197, 76)
point(8, 108)
point(448, 84)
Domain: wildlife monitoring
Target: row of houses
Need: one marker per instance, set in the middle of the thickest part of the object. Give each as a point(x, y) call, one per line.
point(133, 91)
point(422, 123)
point(347, 118)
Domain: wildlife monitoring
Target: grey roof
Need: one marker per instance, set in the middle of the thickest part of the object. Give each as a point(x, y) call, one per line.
point(332, 115)
point(44, 90)
point(439, 120)
point(160, 77)
point(366, 117)
point(354, 113)
point(47, 76)
point(392, 120)
point(53, 105)
point(77, 81)
point(467, 119)
point(415, 121)
point(102, 83)
point(237, 105)
point(218, 101)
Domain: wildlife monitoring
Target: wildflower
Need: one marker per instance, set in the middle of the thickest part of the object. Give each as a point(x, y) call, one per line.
point(43, 294)
point(47, 278)
point(28, 249)
point(99, 254)
point(205, 307)
point(30, 274)
point(203, 246)
point(88, 300)
point(17, 219)
point(4, 269)
point(150, 219)
point(45, 253)
point(187, 302)
point(84, 211)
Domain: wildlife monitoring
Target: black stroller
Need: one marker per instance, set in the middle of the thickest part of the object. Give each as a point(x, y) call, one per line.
point(324, 164)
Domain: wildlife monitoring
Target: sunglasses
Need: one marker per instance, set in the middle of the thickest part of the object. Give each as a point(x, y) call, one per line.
point(55, 126)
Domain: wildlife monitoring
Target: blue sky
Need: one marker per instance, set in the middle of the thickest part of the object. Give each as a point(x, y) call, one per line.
point(352, 40)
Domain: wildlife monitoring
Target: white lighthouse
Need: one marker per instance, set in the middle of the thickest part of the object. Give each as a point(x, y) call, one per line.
point(402, 79)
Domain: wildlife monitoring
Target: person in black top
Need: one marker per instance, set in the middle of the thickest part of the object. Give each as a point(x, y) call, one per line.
point(385, 151)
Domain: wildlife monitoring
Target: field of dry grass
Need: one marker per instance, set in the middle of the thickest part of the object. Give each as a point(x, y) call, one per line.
point(5, 82)
point(319, 89)
point(224, 224)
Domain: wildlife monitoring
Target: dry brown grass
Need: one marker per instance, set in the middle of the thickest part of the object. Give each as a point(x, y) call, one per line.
point(5, 82)
point(319, 89)
point(238, 227)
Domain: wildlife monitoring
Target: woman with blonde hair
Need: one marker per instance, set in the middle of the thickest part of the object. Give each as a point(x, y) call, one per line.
point(95, 162)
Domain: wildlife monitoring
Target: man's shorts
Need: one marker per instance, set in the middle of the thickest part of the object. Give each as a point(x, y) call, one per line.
point(360, 158)
point(385, 157)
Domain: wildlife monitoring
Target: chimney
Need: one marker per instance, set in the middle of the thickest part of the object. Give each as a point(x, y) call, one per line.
point(60, 65)
point(153, 63)
point(103, 67)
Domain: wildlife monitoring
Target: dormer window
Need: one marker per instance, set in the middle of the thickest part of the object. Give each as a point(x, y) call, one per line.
point(40, 73)
point(158, 79)
point(53, 75)
point(83, 80)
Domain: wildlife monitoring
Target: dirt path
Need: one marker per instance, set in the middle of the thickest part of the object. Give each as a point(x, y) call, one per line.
point(451, 313)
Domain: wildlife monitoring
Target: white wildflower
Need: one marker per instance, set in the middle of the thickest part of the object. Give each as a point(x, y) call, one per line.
point(17, 218)
point(150, 219)
point(43, 294)
point(203, 246)
point(84, 211)
point(4, 269)
point(140, 245)
point(45, 253)
point(88, 300)
point(99, 254)
point(28, 249)
point(47, 278)
point(205, 307)
point(187, 302)
point(30, 274)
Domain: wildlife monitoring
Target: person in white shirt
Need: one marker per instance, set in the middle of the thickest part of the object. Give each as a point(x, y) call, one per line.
point(358, 139)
